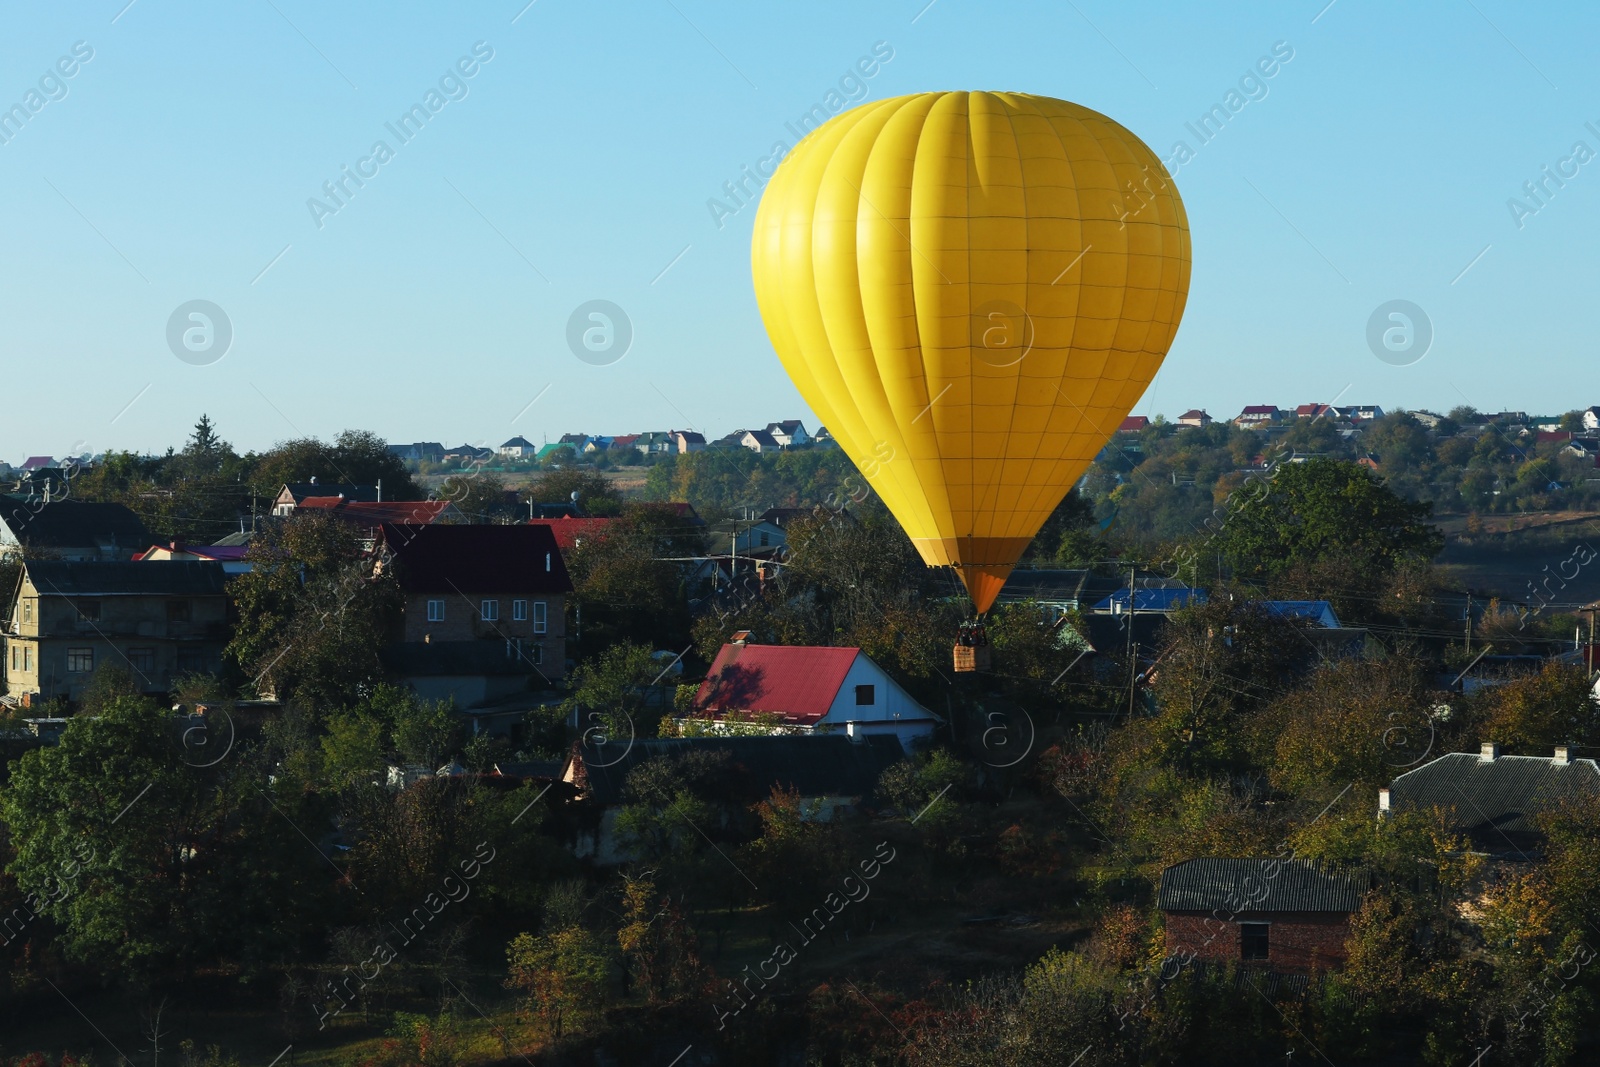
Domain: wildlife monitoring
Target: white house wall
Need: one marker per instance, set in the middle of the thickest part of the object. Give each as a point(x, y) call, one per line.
point(891, 702)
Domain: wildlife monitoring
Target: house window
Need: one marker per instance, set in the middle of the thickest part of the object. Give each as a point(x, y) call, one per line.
point(27, 657)
point(519, 611)
point(866, 696)
point(177, 611)
point(13, 657)
point(1253, 940)
point(89, 610)
point(436, 611)
point(539, 623)
point(80, 660)
point(27, 611)
point(538, 654)
point(489, 611)
point(191, 662)
point(764, 539)
point(142, 660)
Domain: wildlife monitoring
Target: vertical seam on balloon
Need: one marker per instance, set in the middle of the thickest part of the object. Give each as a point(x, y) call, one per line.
point(1072, 336)
point(853, 412)
point(996, 485)
point(907, 475)
point(940, 459)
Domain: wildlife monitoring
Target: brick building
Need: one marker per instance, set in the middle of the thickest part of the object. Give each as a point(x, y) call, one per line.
point(504, 584)
point(1290, 916)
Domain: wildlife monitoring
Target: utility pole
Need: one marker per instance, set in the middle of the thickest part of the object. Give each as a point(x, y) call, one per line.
point(1133, 662)
point(1469, 622)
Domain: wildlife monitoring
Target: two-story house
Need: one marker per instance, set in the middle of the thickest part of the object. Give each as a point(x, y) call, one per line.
point(158, 619)
point(505, 585)
point(789, 433)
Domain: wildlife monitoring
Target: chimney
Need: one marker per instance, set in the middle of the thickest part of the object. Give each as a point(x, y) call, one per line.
point(1560, 759)
point(380, 490)
point(1488, 752)
point(1383, 802)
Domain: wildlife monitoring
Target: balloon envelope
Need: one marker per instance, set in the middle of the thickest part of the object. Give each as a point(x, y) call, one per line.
point(971, 290)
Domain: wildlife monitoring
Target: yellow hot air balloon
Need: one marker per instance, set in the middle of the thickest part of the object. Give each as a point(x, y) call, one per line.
point(971, 290)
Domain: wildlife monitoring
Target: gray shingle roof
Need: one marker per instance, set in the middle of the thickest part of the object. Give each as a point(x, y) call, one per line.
point(1502, 795)
point(55, 577)
point(1253, 886)
point(73, 524)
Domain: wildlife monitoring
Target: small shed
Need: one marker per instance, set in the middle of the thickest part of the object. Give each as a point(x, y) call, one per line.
point(1288, 915)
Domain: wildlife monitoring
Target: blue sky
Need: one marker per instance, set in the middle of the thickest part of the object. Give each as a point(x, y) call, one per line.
point(577, 164)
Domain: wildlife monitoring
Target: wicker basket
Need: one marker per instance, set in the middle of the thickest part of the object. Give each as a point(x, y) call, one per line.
point(969, 658)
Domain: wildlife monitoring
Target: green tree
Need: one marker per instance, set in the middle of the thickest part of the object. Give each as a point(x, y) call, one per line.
point(355, 457)
point(1326, 508)
point(562, 976)
point(1533, 712)
point(311, 619)
point(628, 583)
point(658, 943)
point(149, 865)
point(618, 693)
point(597, 494)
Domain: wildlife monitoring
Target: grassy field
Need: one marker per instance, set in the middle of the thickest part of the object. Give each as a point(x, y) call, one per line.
point(1502, 554)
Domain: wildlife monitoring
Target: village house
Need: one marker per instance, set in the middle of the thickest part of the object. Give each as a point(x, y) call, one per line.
point(1194, 417)
point(70, 529)
point(293, 494)
point(501, 585)
point(66, 619)
point(1494, 799)
point(689, 441)
point(746, 537)
point(790, 433)
point(517, 448)
point(831, 774)
point(1255, 416)
point(366, 517)
point(572, 531)
point(231, 557)
point(808, 689)
point(1289, 916)
point(418, 451)
point(755, 440)
point(467, 454)
point(1134, 424)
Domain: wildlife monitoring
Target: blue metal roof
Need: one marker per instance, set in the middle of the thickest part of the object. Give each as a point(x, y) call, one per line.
point(1162, 599)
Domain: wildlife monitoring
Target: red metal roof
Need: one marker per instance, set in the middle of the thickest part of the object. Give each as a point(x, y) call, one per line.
point(372, 514)
point(568, 529)
point(1132, 423)
point(798, 682)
